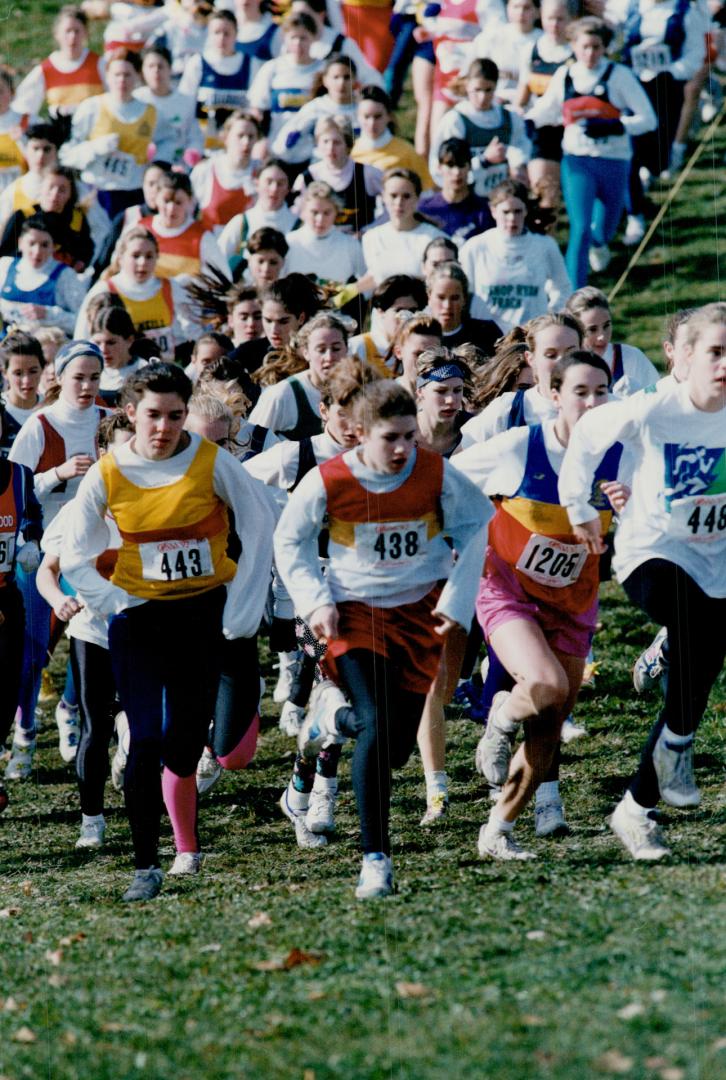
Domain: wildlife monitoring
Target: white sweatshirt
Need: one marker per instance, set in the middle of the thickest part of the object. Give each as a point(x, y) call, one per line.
point(337, 256)
point(104, 168)
point(510, 49)
point(465, 512)
point(493, 419)
point(677, 510)
point(452, 126)
point(278, 466)
point(30, 95)
point(230, 238)
point(276, 406)
point(177, 126)
point(638, 372)
point(517, 277)
point(69, 292)
point(88, 534)
point(389, 251)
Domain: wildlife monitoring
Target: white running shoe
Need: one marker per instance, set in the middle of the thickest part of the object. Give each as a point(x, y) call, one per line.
point(328, 704)
point(376, 877)
point(646, 177)
point(291, 719)
point(145, 885)
point(494, 750)
point(437, 808)
point(186, 864)
point(304, 837)
point(20, 765)
point(634, 230)
point(571, 730)
point(549, 819)
point(674, 768)
point(599, 258)
point(289, 666)
point(69, 730)
point(208, 771)
point(93, 830)
point(320, 817)
point(501, 845)
point(640, 834)
point(652, 663)
point(118, 762)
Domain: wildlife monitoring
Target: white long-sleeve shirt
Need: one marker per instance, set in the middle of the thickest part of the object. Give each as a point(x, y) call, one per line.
point(638, 372)
point(651, 56)
point(494, 418)
point(78, 429)
point(498, 466)
point(453, 126)
point(517, 277)
point(276, 407)
point(510, 49)
point(30, 95)
point(88, 534)
point(277, 466)
point(465, 512)
point(677, 510)
point(337, 256)
point(108, 170)
point(235, 234)
point(281, 87)
point(69, 292)
point(624, 92)
point(389, 251)
point(298, 131)
point(177, 126)
point(182, 327)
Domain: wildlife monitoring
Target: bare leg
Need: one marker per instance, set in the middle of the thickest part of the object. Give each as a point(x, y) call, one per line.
point(422, 77)
point(432, 729)
point(692, 92)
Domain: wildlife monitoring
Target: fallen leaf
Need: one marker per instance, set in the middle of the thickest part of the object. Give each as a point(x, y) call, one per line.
point(24, 1035)
point(54, 957)
point(113, 1025)
point(629, 1012)
point(412, 990)
point(69, 1038)
point(28, 937)
point(256, 922)
point(535, 935)
point(296, 957)
point(10, 1005)
point(308, 1074)
point(655, 1062)
point(615, 1062)
point(316, 995)
point(72, 938)
point(27, 888)
point(212, 947)
point(533, 1021)
point(657, 996)
point(57, 980)
point(720, 1044)
point(9, 912)
point(672, 1073)
point(269, 965)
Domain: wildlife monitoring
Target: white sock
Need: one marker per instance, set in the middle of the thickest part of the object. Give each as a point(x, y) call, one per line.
point(325, 783)
point(92, 819)
point(297, 801)
point(497, 824)
point(675, 740)
point(502, 720)
point(633, 808)
point(436, 782)
point(547, 792)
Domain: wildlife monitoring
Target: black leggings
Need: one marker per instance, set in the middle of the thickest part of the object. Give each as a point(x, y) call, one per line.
point(653, 149)
point(93, 676)
point(12, 633)
point(238, 695)
point(166, 657)
point(385, 726)
point(696, 625)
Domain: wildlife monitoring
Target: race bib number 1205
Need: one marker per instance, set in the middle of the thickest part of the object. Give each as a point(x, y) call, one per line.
point(550, 562)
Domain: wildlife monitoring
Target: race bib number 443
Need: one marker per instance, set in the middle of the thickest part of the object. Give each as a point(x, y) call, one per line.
point(391, 542)
point(550, 562)
point(700, 519)
point(176, 560)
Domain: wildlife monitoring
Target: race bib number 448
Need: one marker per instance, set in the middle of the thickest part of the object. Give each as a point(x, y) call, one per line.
point(176, 560)
point(391, 543)
point(550, 562)
point(700, 519)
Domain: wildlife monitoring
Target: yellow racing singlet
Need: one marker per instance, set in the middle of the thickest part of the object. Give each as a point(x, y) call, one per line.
point(134, 138)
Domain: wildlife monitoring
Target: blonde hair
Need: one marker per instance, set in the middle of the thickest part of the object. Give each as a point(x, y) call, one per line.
point(339, 124)
point(324, 320)
point(535, 326)
point(703, 317)
point(318, 189)
point(138, 232)
point(210, 405)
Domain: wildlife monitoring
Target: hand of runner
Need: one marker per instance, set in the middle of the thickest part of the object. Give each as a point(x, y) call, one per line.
point(67, 608)
point(588, 533)
point(324, 622)
point(446, 625)
point(617, 494)
point(78, 465)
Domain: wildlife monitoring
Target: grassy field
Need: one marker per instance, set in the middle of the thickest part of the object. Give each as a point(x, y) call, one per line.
point(579, 965)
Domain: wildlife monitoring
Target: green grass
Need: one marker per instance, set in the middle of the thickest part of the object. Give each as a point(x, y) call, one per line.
point(171, 990)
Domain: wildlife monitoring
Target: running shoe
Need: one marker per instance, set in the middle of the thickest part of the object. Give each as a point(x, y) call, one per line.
point(320, 817)
point(92, 834)
point(20, 765)
point(571, 730)
point(494, 750)
point(186, 864)
point(674, 768)
point(652, 663)
point(640, 834)
point(437, 807)
point(304, 837)
point(376, 877)
point(326, 708)
point(208, 771)
point(118, 764)
point(599, 258)
point(69, 730)
point(646, 177)
point(501, 845)
point(289, 667)
point(549, 819)
point(291, 719)
point(145, 885)
point(634, 230)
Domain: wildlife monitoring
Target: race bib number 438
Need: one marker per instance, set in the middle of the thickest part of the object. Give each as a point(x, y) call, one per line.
point(391, 542)
point(550, 562)
point(176, 560)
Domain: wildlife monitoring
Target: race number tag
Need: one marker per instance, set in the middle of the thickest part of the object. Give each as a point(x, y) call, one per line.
point(700, 519)
point(176, 560)
point(552, 563)
point(7, 551)
point(390, 543)
point(655, 58)
point(490, 176)
point(119, 165)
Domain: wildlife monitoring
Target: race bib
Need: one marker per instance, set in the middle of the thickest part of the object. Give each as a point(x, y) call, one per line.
point(700, 519)
point(7, 551)
point(118, 165)
point(489, 177)
point(161, 338)
point(391, 543)
point(176, 560)
point(655, 58)
point(552, 563)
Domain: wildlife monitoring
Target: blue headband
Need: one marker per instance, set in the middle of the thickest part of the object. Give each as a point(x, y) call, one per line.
point(440, 374)
point(72, 351)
